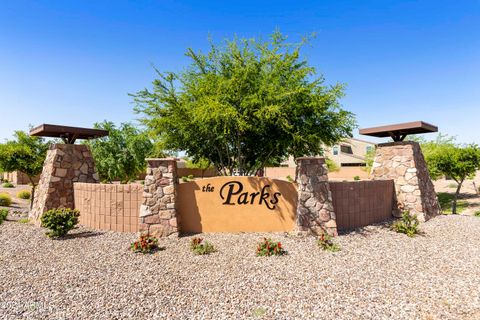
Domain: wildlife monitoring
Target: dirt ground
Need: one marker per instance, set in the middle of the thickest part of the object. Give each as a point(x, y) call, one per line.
point(468, 193)
point(17, 204)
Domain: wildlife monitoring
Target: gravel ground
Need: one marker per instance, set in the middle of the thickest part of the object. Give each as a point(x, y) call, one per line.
point(377, 275)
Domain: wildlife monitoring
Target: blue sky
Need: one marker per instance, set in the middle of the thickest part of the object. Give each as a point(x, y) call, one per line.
point(74, 62)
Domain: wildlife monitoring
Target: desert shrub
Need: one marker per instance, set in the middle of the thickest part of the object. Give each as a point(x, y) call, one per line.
point(24, 194)
point(407, 224)
point(331, 165)
point(3, 215)
point(356, 178)
point(270, 248)
point(446, 201)
point(326, 243)
point(5, 200)
point(8, 185)
point(145, 244)
point(24, 220)
point(198, 246)
point(60, 221)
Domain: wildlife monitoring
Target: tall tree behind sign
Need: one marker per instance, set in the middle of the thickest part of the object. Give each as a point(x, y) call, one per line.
point(245, 104)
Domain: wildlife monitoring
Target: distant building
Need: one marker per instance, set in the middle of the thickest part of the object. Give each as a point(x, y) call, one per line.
point(348, 153)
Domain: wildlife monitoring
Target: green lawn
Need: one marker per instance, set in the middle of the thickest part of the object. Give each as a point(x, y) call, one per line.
point(446, 199)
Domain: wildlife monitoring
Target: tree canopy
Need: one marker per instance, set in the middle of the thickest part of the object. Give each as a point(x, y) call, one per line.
point(26, 154)
point(446, 158)
point(120, 155)
point(244, 104)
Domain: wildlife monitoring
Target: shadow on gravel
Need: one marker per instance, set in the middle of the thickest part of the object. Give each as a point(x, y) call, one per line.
point(83, 234)
point(368, 230)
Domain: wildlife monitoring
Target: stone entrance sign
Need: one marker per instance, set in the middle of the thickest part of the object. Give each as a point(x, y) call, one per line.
point(237, 204)
point(64, 165)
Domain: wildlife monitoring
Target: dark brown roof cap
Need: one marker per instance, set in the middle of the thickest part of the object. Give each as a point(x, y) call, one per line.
point(68, 134)
point(399, 131)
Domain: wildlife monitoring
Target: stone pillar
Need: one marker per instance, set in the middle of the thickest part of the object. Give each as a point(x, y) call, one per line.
point(158, 214)
point(64, 165)
point(404, 163)
point(314, 209)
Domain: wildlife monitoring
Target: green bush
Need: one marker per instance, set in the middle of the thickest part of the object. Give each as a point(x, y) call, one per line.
point(8, 185)
point(184, 179)
point(408, 224)
point(326, 243)
point(3, 215)
point(270, 248)
point(290, 179)
point(59, 221)
point(24, 194)
point(24, 220)
point(190, 177)
point(146, 244)
point(446, 201)
point(200, 248)
point(477, 214)
point(356, 178)
point(5, 200)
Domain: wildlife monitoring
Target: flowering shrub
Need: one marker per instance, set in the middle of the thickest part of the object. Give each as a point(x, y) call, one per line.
point(199, 247)
point(408, 224)
point(3, 215)
point(326, 243)
point(146, 244)
point(59, 221)
point(270, 248)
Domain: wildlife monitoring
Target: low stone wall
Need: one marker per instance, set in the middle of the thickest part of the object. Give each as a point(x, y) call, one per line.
point(197, 173)
point(109, 206)
point(279, 172)
point(361, 203)
point(18, 177)
point(343, 173)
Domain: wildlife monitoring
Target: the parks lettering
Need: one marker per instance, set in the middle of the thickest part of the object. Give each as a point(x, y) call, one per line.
point(232, 193)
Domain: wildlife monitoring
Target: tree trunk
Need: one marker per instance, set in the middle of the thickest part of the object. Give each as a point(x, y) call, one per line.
point(454, 203)
point(32, 197)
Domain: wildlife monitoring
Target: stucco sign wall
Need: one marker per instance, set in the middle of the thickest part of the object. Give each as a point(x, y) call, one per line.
point(237, 204)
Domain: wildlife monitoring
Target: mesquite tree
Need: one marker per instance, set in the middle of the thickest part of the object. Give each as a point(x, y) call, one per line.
point(25, 154)
point(245, 104)
point(456, 162)
point(120, 155)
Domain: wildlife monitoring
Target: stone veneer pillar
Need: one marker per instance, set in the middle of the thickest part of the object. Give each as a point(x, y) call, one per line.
point(64, 165)
point(158, 214)
point(314, 209)
point(404, 163)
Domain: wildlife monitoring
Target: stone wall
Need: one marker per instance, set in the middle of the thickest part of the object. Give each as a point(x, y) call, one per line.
point(18, 177)
point(314, 209)
point(404, 163)
point(64, 165)
point(158, 213)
